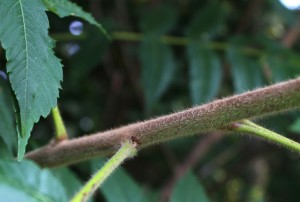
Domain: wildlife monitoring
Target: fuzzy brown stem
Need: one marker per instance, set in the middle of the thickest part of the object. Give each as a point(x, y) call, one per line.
point(214, 115)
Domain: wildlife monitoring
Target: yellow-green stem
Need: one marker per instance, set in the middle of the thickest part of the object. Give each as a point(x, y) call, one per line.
point(256, 130)
point(127, 150)
point(60, 130)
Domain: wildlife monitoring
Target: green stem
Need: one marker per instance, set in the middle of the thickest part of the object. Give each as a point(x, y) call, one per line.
point(170, 40)
point(60, 130)
point(254, 129)
point(181, 41)
point(127, 150)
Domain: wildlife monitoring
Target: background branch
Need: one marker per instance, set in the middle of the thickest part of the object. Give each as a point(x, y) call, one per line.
point(208, 117)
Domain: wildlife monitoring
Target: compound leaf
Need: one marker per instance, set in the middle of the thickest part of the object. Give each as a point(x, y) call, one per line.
point(34, 71)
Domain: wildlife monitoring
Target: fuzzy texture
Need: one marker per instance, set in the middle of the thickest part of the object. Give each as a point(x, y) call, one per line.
point(212, 116)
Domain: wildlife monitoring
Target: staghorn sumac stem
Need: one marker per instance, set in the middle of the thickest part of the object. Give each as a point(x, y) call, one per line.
point(208, 117)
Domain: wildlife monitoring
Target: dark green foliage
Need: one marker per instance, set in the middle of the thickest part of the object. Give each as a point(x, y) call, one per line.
point(25, 181)
point(247, 72)
point(68, 179)
point(188, 188)
point(205, 73)
point(220, 48)
point(207, 21)
point(158, 65)
point(34, 72)
point(295, 127)
point(7, 123)
point(159, 20)
point(120, 186)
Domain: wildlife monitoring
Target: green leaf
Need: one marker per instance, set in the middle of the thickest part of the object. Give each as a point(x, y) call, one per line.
point(158, 65)
point(188, 189)
point(207, 20)
point(295, 127)
point(24, 181)
point(34, 71)
point(283, 64)
point(7, 123)
point(120, 187)
point(246, 72)
point(68, 179)
point(64, 8)
point(4, 151)
point(158, 20)
point(205, 73)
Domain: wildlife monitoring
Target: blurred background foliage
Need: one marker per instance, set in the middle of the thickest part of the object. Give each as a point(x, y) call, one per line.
point(165, 56)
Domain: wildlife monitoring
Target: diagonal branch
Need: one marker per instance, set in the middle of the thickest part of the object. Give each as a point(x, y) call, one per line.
point(208, 117)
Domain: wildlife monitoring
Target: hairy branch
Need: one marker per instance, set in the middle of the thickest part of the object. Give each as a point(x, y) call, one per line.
point(212, 116)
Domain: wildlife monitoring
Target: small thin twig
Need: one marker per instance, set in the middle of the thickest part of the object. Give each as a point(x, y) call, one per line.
point(209, 117)
point(127, 150)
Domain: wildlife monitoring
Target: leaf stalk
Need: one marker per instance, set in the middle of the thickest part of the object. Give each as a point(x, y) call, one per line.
point(127, 150)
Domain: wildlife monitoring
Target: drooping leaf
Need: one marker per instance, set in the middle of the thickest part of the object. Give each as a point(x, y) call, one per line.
point(34, 71)
point(188, 188)
point(205, 73)
point(68, 179)
point(64, 8)
point(7, 123)
point(159, 20)
point(120, 187)
point(158, 65)
point(246, 72)
point(24, 181)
